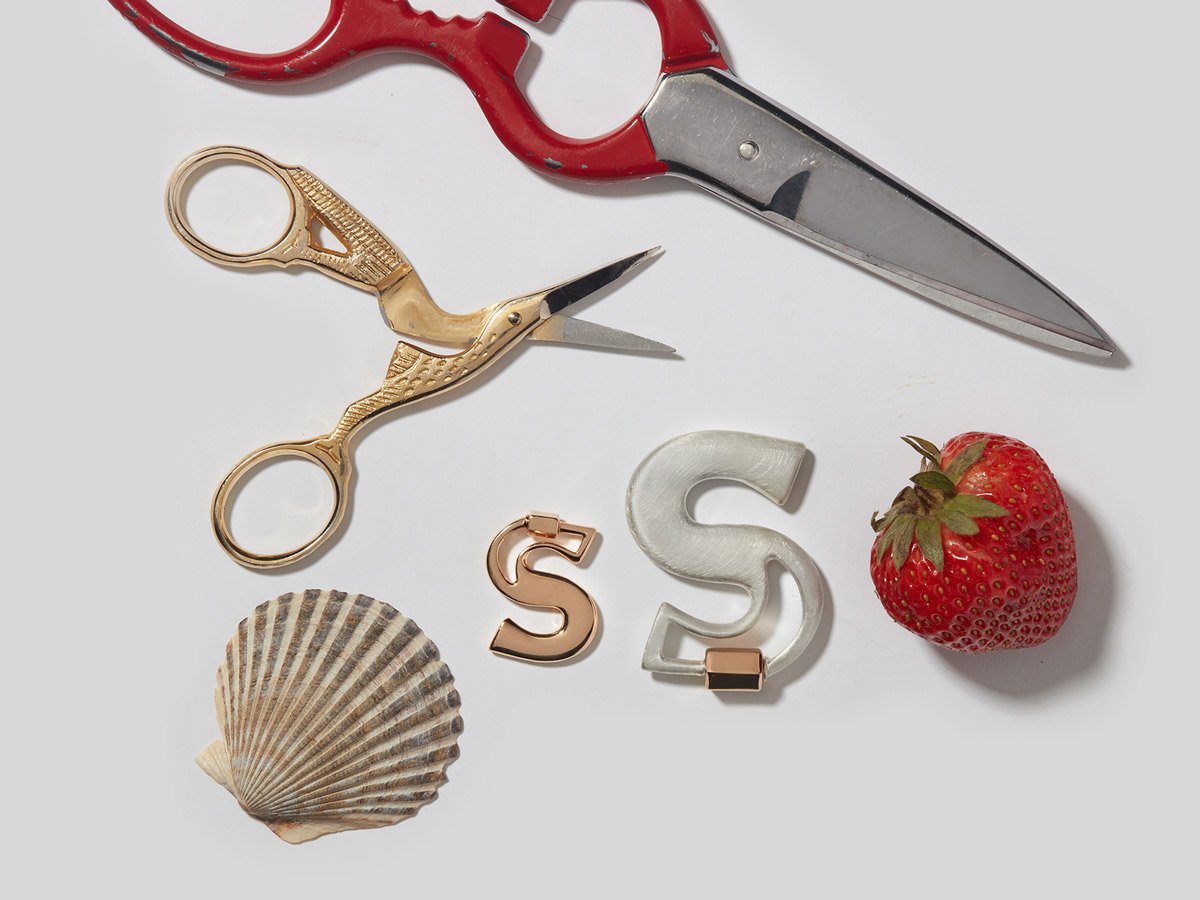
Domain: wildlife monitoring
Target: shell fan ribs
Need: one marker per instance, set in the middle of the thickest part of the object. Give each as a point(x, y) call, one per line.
point(336, 713)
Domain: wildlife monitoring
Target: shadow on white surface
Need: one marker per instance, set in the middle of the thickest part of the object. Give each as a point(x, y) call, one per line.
point(1077, 651)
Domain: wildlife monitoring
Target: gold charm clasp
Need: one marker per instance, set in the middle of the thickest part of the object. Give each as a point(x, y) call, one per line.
point(733, 669)
point(543, 590)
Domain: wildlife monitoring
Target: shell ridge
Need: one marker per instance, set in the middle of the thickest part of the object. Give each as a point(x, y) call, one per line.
point(337, 713)
point(316, 657)
point(265, 654)
point(437, 744)
point(289, 688)
point(238, 678)
point(247, 658)
point(252, 661)
point(228, 691)
point(418, 768)
point(309, 732)
point(384, 660)
point(286, 621)
point(414, 790)
point(357, 733)
point(354, 637)
point(381, 769)
point(391, 786)
point(399, 743)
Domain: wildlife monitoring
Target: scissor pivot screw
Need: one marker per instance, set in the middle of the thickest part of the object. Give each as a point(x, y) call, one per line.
point(514, 318)
point(748, 150)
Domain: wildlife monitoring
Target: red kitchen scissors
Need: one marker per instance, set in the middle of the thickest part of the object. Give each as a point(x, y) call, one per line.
point(701, 123)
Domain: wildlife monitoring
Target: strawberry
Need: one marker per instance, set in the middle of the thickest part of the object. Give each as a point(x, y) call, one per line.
point(978, 554)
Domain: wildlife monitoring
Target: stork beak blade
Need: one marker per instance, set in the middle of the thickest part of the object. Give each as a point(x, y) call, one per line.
point(570, 292)
point(565, 330)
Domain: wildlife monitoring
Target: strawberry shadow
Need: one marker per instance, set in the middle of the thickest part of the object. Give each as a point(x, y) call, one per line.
point(1073, 654)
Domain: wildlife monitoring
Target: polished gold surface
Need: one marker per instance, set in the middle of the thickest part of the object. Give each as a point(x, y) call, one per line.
point(366, 259)
point(543, 525)
point(413, 375)
point(733, 669)
point(543, 590)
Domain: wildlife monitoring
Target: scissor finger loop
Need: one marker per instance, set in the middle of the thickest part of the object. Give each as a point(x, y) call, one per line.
point(364, 257)
point(283, 251)
point(334, 460)
point(701, 123)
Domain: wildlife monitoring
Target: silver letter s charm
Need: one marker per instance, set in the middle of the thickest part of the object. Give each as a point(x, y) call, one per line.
point(656, 508)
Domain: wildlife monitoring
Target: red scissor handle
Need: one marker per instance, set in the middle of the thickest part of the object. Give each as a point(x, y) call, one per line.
point(483, 52)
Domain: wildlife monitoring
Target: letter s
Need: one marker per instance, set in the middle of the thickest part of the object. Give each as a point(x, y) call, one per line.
point(656, 509)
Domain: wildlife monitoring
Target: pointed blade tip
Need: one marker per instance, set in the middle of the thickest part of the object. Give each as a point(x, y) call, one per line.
point(638, 259)
point(570, 292)
point(1105, 350)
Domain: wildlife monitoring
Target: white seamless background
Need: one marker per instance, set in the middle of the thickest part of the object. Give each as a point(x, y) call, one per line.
point(134, 374)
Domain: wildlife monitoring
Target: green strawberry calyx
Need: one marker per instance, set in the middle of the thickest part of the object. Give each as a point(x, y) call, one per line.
point(931, 502)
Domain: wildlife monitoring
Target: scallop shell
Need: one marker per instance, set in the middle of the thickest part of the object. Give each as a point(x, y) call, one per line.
point(337, 713)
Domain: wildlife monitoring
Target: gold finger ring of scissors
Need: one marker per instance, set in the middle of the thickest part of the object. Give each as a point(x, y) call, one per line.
point(368, 261)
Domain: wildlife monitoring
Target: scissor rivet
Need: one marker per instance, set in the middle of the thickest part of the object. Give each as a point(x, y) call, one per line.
point(514, 318)
point(748, 150)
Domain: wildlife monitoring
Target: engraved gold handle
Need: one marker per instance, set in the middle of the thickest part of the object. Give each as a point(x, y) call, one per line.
point(367, 260)
point(413, 375)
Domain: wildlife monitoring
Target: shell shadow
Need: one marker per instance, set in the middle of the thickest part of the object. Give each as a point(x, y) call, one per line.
point(1077, 650)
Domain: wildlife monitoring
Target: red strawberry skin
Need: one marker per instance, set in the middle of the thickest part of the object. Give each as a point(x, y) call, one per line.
point(1010, 585)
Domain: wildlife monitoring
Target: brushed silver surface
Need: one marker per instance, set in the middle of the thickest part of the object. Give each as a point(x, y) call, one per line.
point(658, 517)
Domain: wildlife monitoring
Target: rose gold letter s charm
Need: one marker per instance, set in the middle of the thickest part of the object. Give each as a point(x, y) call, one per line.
point(543, 590)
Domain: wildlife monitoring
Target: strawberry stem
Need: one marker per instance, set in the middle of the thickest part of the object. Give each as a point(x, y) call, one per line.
point(932, 502)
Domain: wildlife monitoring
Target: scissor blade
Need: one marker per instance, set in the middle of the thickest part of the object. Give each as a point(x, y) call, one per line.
point(708, 126)
point(567, 330)
point(560, 297)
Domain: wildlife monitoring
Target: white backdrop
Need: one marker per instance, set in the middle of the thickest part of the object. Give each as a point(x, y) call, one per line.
point(135, 374)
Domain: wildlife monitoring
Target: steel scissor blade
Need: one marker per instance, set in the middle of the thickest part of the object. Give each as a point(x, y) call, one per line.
point(566, 330)
point(570, 292)
point(708, 126)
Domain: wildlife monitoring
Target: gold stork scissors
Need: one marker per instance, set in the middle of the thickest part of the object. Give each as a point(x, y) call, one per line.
point(369, 261)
